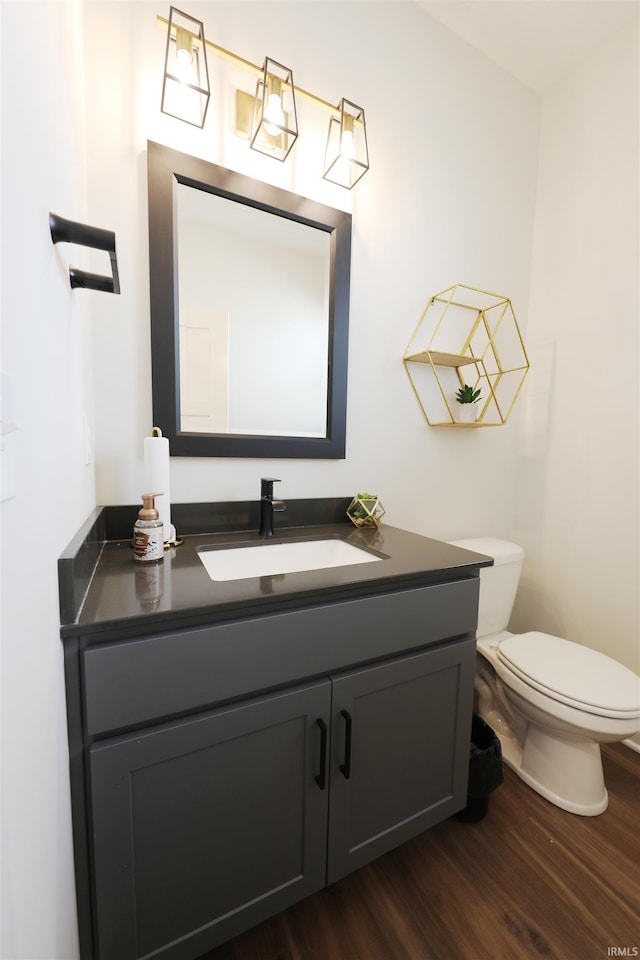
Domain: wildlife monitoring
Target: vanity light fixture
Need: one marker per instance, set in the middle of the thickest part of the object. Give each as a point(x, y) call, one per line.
point(185, 84)
point(346, 156)
point(269, 120)
point(274, 127)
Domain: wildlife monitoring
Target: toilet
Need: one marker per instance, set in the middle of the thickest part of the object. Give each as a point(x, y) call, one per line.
point(551, 702)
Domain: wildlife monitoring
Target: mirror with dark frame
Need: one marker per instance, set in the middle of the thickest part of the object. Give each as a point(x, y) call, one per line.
point(249, 293)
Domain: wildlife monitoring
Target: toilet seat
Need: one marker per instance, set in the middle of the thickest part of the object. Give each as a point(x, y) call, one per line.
point(570, 673)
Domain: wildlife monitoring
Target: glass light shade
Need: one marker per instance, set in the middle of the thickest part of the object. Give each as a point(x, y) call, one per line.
point(274, 126)
point(346, 157)
point(185, 85)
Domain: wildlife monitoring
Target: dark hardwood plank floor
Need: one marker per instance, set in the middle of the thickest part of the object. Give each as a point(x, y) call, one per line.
point(527, 881)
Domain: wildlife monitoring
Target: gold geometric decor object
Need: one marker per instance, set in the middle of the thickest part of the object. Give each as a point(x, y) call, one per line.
point(365, 510)
point(466, 337)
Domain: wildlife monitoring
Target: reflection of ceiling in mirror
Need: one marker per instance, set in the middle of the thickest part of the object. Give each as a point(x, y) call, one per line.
point(228, 215)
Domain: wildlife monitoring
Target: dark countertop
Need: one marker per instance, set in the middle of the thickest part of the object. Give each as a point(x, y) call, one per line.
point(125, 598)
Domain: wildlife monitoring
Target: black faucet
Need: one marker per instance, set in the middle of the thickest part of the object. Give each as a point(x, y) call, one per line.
point(268, 506)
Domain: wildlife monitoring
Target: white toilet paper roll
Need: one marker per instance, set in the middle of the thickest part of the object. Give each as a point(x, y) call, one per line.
point(157, 479)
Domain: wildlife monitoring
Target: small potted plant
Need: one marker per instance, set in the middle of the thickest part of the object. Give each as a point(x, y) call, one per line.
point(467, 397)
point(365, 510)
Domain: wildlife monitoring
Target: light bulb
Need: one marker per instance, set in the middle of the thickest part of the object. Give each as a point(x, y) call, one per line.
point(184, 56)
point(347, 147)
point(274, 115)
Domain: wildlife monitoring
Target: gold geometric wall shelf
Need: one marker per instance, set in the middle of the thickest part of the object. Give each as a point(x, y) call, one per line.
point(466, 336)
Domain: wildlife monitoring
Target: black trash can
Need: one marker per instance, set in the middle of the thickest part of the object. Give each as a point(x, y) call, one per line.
point(485, 770)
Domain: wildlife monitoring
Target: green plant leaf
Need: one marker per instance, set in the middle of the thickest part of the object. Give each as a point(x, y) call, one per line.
point(467, 394)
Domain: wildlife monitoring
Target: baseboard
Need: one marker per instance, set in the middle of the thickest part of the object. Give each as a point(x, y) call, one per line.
point(633, 744)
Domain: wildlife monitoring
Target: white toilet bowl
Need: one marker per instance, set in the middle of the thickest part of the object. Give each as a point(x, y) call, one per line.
point(549, 737)
point(551, 701)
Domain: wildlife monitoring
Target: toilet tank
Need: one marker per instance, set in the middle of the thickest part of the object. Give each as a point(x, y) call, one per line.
point(498, 584)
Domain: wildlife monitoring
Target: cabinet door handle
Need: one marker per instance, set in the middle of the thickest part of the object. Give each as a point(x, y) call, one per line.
point(321, 777)
point(345, 768)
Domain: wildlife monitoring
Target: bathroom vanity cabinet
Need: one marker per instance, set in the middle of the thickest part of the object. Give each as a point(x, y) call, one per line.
point(224, 770)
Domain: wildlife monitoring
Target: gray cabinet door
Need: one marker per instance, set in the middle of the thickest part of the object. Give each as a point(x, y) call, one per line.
point(400, 751)
point(204, 827)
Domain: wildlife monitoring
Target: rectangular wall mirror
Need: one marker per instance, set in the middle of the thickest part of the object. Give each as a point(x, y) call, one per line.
point(249, 314)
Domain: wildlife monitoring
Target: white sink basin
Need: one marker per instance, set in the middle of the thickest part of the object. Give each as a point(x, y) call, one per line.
point(267, 559)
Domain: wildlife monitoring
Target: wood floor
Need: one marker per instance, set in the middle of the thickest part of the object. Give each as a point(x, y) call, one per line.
point(527, 881)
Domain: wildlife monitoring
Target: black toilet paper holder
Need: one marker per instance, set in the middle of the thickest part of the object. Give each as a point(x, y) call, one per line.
point(68, 231)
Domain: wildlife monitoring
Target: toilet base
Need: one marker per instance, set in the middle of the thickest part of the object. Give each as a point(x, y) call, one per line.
point(567, 773)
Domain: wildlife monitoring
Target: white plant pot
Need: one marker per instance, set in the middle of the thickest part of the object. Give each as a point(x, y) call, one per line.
point(466, 412)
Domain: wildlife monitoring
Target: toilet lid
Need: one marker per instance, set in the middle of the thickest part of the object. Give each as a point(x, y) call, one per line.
point(573, 674)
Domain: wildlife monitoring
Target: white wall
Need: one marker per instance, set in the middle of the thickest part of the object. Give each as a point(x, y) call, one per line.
point(46, 355)
point(578, 515)
point(449, 197)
